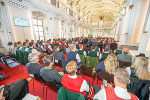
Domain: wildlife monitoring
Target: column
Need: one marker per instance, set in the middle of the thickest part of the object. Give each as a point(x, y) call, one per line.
point(139, 20)
point(144, 43)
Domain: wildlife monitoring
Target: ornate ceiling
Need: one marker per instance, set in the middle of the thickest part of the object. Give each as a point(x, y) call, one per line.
point(93, 10)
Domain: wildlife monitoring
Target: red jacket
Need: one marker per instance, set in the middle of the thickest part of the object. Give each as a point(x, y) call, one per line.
point(71, 84)
point(110, 95)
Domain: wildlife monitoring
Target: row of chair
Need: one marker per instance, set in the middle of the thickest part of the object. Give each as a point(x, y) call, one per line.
point(22, 56)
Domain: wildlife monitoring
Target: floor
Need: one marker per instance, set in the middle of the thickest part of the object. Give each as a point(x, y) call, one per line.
point(20, 72)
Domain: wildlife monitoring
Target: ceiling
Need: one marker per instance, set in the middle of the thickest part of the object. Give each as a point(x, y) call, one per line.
point(93, 10)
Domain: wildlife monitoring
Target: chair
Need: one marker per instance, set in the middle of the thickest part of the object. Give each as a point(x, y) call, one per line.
point(17, 55)
point(118, 52)
point(86, 70)
point(107, 76)
point(112, 48)
point(38, 78)
point(140, 88)
point(92, 62)
point(101, 47)
point(64, 94)
point(104, 56)
point(58, 63)
point(51, 85)
point(20, 57)
point(25, 57)
point(123, 64)
point(9, 63)
point(82, 57)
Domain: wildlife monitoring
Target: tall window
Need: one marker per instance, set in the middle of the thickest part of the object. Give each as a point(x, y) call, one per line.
point(38, 29)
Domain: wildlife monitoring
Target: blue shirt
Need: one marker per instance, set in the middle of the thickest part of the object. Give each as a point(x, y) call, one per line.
point(100, 67)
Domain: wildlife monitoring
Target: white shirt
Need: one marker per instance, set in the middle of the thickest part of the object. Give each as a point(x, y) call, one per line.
point(78, 58)
point(49, 46)
point(120, 92)
point(84, 53)
point(33, 50)
point(84, 86)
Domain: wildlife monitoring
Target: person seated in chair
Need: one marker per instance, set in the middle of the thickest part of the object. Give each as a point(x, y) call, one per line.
point(80, 51)
point(59, 55)
point(139, 78)
point(119, 51)
point(48, 48)
point(25, 45)
point(33, 67)
point(48, 73)
point(18, 90)
point(108, 65)
point(19, 45)
point(113, 45)
point(73, 56)
point(121, 80)
point(125, 56)
point(73, 82)
point(11, 49)
point(93, 53)
point(106, 53)
point(31, 48)
point(139, 68)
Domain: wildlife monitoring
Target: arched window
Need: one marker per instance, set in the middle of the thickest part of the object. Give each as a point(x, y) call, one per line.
point(38, 29)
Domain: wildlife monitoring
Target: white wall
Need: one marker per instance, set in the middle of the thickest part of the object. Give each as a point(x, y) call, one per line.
point(21, 33)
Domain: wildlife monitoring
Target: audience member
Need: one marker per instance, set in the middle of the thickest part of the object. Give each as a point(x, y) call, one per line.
point(106, 53)
point(93, 53)
point(139, 68)
point(73, 56)
point(125, 56)
point(73, 82)
point(48, 73)
point(31, 48)
point(11, 49)
point(25, 45)
point(80, 51)
point(19, 45)
point(108, 65)
point(17, 91)
point(59, 56)
point(119, 51)
point(33, 66)
point(121, 80)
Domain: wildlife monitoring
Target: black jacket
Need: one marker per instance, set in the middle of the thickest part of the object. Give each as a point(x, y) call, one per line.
point(140, 88)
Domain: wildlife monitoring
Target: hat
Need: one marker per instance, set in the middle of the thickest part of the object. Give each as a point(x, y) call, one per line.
point(141, 55)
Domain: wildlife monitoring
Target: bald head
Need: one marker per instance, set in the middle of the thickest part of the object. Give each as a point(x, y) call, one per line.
point(125, 51)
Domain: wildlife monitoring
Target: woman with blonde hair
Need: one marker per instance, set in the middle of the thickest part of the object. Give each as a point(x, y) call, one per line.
point(140, 68)
point(139, 78)
point(108, 65)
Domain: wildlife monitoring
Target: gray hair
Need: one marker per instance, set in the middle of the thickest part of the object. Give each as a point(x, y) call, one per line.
point(122, 75)
point(33, 56)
